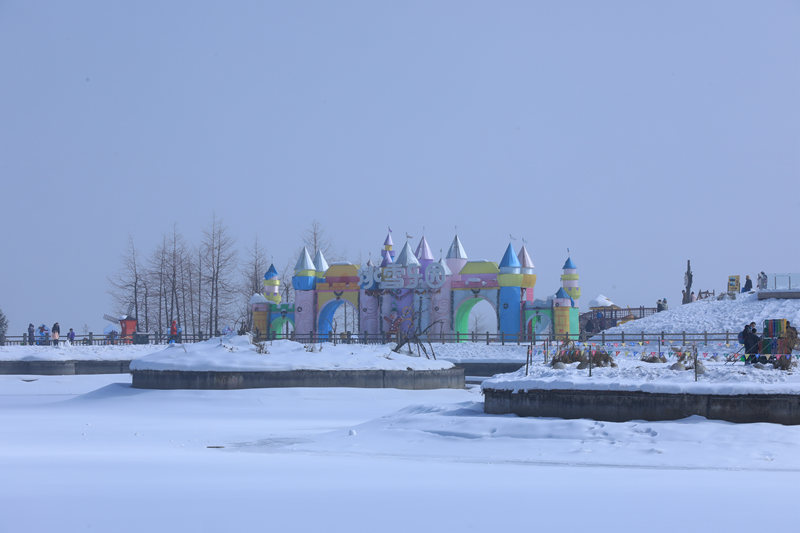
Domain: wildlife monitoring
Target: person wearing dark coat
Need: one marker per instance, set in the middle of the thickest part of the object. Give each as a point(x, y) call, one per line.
point(748, 284)
point(31, 334)
point(55, 332)
point(751, 342)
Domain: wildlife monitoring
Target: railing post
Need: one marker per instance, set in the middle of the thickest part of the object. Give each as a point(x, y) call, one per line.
point(622, 336)
point(487, 338)
point(502, 338)
point(705, 337)
point(603, 337)
point(684, 338)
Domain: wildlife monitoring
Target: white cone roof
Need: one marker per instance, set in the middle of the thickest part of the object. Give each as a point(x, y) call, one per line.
point(304, 262)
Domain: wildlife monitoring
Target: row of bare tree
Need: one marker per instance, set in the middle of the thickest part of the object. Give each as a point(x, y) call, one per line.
point(204, 287)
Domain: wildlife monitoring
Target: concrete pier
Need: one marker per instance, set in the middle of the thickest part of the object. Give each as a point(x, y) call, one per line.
point(622, 406)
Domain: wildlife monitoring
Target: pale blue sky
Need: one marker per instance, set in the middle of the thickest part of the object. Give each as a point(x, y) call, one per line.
point(638, 134)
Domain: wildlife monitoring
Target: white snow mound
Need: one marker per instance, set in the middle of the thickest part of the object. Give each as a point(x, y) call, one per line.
point(714, 316)
point(237, 353)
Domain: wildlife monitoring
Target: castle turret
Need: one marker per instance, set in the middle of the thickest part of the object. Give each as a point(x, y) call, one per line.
point(528, 277)
point(423, 252)
point(569, 280)
point(320, 266)
point(562, 303)
point(304, 278)
point(388, 247)
point(456, 256)
point(407, 257)
point(510, 280)
point(272, 285)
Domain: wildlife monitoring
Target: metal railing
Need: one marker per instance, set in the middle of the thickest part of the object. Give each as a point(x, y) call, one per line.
point(442, 338)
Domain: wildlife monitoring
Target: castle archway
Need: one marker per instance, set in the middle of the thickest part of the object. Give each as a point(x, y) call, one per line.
point(461, 323)
point(330, 319)
point(281, 328)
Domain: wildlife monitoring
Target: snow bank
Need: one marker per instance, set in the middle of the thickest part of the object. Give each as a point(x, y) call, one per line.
point(714, 316)
point(232, 354)
point(635, 375)
point(65, 352)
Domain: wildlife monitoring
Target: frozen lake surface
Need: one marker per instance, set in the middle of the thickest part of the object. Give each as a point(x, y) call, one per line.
point(82, 453)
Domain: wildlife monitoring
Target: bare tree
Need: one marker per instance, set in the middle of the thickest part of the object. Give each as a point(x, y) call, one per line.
point(316, 239)
point(219, 256)
point(252, 275)
point(128, 283)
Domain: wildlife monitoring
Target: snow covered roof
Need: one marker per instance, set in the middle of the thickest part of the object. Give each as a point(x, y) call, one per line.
point(258, 299)
point(407, 257)
point(304, 261)
point(456, 250)
point(601, 300)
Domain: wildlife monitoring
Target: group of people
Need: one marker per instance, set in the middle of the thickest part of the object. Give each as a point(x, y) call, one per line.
point(661, 305)
point(43, 336)
point(761, 282)
point(753, 342)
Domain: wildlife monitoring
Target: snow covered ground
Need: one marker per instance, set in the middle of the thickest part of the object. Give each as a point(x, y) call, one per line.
point(78, 352)
point(714, 316)
point(89, 453)
point(636, 375)
point(237, 353)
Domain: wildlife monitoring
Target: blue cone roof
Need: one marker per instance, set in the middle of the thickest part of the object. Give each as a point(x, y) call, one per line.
point(271, 273)
point(510, 258)
point(569, 264)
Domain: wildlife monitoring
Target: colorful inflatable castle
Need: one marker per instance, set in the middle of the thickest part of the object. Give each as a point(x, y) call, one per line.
point(413, 293)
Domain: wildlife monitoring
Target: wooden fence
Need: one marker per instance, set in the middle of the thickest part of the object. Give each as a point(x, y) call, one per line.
point(486, 338)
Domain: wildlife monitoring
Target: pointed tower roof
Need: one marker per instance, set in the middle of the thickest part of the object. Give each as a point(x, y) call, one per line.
point(447, 271)
point(562, 294)
point(320, 265)
point(304, 262)
point(524, 259)
point(271, 273)
point(509, 258)
point(407, 257)
point(569, 264)
point(388, 241)
point(369, 262)
point(456, 250)
point(423, 252)
point(387, 259)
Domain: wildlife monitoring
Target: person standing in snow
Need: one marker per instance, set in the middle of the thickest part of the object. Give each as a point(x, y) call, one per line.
point(71, 336)
point(761, 280)
point(173, 332)
point(751, 342)
point(31, 334)
point(659, 306)
point(748, 284)
point(693, 297)
point(56, 331)
point(664, 304)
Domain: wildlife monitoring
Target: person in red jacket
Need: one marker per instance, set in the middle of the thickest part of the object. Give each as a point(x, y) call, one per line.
point(173, 331)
